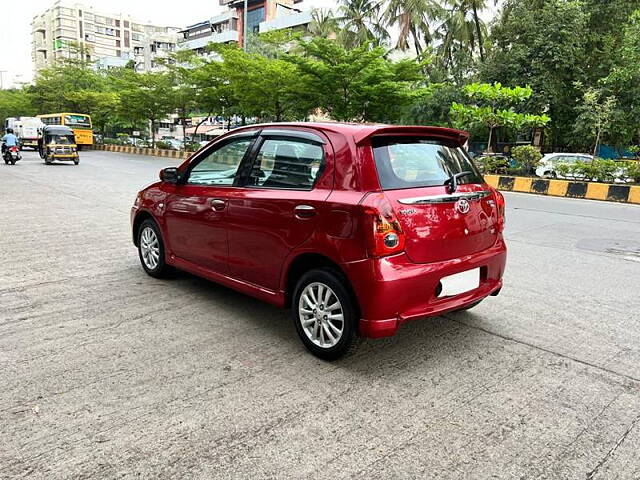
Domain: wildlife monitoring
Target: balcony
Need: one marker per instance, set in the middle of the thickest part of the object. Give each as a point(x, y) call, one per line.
point(286, 21)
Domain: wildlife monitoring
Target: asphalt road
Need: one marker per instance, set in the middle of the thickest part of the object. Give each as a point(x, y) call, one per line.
point(106, 372)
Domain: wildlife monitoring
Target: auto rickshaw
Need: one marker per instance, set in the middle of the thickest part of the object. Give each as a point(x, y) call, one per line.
point(57, 143)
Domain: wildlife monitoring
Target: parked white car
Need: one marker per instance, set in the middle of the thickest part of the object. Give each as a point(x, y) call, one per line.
point(548, 164)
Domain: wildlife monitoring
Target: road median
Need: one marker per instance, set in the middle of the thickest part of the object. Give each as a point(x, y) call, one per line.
point(153, 152)
point(567, 188)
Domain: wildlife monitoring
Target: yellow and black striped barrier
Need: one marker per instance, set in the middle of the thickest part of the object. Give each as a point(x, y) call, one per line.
point(567, 188)
point(156, 152)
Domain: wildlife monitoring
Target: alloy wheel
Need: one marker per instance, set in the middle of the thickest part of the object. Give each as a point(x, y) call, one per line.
point(150, 248)
point(320, 314)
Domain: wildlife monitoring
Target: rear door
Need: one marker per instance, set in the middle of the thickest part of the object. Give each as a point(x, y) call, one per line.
point(280, 205)
point(439, 224)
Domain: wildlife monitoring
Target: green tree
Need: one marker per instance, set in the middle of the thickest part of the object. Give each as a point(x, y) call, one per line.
point(623, 82)
point(360, 23)
point(16, 103)
point(542, 43)
point(263, 87)
point(323, 24)
point(146, 96)
point(494, 106)
point(412, 19)
point(596, 115)
point(358, 84)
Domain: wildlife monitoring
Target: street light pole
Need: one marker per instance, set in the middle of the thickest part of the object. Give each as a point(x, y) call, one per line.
point(244, 26)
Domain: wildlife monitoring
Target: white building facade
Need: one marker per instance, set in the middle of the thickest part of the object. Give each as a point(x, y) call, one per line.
point(109, 40)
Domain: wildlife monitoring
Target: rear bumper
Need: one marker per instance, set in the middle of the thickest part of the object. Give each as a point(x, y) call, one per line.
point(394, 290)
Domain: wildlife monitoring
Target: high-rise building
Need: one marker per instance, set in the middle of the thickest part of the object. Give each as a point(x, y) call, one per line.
point(262, 16)
point(107, 39)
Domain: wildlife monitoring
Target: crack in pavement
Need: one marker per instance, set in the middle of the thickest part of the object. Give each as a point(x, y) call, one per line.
point(613, 449)
point(547, 350)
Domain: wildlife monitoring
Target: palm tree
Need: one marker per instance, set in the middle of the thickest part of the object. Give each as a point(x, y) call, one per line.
point(361, 23)
point(462, 29)
point(413, 19)
point(323, 24)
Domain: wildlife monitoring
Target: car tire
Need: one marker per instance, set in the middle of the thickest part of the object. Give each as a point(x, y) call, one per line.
point(76, 162)
point(151, 250)
point(326, 338)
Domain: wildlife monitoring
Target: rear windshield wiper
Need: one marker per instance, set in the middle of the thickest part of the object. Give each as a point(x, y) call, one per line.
point(453, 180)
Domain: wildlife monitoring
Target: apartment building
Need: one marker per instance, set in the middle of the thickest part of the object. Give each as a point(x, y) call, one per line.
point(109, 39)
point(262, 16)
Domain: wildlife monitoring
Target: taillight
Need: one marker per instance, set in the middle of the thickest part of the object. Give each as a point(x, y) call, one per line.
point(14, 149)
point(500, 204)
point(384, 234)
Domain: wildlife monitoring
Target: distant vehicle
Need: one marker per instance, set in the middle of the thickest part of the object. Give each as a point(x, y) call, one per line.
point(78, 122)
point(399, 225)
point(27, 129)
point(58, 143)
point(174, 144)
point(548, 164)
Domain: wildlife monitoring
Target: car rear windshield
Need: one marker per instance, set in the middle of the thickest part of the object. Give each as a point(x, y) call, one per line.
point(412, 162)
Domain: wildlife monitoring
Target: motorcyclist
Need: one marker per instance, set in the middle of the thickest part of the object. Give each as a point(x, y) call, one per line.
point(9, 140)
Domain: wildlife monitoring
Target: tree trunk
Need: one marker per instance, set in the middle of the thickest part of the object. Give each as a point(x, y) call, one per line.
point(476, 18)
point(153, 133)
point(595, 150)
point(489, 146)
point(184, 129)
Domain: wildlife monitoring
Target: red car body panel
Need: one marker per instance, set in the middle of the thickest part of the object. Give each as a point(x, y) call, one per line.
point(251, 245)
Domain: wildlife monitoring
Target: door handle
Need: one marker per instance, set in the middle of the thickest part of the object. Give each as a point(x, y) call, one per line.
point(304, 211)
point(217, 204)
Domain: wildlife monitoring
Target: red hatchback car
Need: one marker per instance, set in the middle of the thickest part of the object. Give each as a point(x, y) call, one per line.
point(357, 228)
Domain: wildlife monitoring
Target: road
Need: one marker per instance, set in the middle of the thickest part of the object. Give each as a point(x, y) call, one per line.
point(106, 372)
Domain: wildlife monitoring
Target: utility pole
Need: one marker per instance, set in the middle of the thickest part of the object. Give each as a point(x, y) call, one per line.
point(244, 25)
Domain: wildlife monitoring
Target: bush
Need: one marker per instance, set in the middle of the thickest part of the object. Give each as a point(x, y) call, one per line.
point(498, 164)
point(632, 171)
point(597, 170)
point(191, 146)
point(527, 158)
point(110, 141)
point(163, 145)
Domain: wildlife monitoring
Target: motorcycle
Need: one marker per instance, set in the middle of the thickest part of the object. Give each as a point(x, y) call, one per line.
point(12, 155)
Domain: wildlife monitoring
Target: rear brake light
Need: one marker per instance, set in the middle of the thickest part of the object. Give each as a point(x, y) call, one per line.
point(500, 204)
point(385, 236)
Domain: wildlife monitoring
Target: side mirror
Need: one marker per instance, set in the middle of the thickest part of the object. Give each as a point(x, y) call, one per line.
point(169, 175)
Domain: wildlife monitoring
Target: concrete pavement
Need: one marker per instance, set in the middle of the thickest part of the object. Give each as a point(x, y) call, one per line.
point(106, 372)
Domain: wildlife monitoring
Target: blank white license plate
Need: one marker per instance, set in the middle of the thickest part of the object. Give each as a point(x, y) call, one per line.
point(460, 283)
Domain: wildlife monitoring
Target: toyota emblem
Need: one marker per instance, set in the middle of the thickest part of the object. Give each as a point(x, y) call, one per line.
point(462, 206)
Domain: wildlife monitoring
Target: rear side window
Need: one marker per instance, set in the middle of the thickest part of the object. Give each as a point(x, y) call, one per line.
point(287, 163)
point(411, 162)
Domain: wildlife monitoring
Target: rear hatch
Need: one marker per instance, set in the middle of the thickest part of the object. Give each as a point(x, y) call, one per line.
point(440, 221)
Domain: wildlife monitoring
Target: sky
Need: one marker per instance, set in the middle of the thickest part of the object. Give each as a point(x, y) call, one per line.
point(15, 33)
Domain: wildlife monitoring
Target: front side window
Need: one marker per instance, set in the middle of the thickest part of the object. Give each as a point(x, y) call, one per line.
point(287, 163)
point(221, 165)
point(412, 162)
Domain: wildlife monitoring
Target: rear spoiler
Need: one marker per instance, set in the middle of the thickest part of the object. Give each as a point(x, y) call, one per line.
point(457, 136)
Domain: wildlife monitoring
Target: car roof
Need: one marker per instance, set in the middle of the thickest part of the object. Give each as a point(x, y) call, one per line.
point(362, 131)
